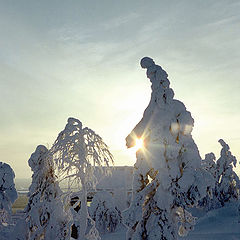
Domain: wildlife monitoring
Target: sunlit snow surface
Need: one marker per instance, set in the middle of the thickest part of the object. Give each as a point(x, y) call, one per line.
point(219, 224)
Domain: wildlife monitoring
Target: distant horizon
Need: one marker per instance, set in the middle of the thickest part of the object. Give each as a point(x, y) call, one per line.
point(110, 167)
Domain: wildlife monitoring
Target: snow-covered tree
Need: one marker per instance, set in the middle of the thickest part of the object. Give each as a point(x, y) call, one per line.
point(226, 182)
point(8, 193)
point(209, 164)
point(76, 152)
point(46, 216)
point(168, 177)
point(105, 213)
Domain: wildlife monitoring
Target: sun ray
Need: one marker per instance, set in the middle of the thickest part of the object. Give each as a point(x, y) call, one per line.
point(139, 143)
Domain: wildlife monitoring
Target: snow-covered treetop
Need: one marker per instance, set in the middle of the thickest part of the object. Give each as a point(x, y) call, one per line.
point(40, 165)
point(8, 193)
point(77, 151)
point(162, 99)
point(6, 176)
point(36, 160)
point(165, 121)
point(227, 155)
point(209, 163)
point(225, 164)
point(158, 78)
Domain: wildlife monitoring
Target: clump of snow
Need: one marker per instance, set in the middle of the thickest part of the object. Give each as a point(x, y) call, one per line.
point(147, 62)
point(168, 177)
point(105, 213)
point(8, 193)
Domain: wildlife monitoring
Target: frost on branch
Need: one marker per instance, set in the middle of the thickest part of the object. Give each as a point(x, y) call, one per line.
point(168, 177)
point(105, 213)
point(8, 193)
point(46, 217)
point(77, 152)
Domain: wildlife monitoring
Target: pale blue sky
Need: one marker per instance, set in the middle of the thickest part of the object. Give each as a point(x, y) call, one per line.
point(81, 59)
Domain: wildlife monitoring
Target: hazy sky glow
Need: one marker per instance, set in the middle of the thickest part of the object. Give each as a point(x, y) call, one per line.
point(81, 59)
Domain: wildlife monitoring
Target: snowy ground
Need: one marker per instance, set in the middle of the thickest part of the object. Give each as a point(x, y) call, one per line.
point(120, 235)
point(221, 224)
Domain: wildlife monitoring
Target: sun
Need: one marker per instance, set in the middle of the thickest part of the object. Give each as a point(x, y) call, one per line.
point(138, 143)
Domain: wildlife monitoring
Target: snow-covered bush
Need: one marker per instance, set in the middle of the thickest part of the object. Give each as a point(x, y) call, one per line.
point(77, 151)
point(105, 213)
point(227, 183)
point(8, 193)
point(168, 177)
point(46, 216)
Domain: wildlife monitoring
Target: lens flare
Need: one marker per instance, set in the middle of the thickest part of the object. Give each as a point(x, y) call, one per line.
point(138, 143)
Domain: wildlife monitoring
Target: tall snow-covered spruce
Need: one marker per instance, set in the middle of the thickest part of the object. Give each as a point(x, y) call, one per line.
point(77, 152)
point(46, 216)
point(8, 193)
point(168, 177)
